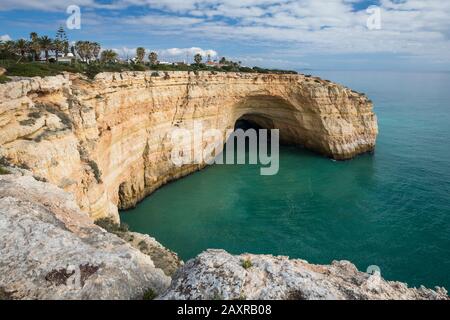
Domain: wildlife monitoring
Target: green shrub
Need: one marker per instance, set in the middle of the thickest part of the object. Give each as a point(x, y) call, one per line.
point(40, 69)
point(143, 245)
point(217, 296)
point(109, 225)
point(36, 69)
point(247, 264)
point(149, 294)
point(4, 79)
point(35, 114)
point(28, 122)
point(138, 67)
point(4, 171)
point(5, 295)
point(96, 170)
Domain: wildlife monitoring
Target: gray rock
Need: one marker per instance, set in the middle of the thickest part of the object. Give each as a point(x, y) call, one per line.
point(50, 249)
point(163, 258)
point(216, 274)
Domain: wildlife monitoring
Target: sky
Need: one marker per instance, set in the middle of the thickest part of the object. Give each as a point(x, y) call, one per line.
point(291, 34)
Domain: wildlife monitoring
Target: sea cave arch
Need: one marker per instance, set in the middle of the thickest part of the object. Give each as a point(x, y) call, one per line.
point(271, 112)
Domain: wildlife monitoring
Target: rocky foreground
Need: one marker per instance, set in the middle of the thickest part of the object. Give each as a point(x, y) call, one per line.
point(50, 249)
point(216, 274)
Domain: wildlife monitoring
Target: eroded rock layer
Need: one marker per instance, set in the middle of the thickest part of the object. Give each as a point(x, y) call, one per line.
point(108, 141)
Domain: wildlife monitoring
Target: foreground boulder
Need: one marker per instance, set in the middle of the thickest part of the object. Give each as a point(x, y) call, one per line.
point(216, 274)
point(49, 249)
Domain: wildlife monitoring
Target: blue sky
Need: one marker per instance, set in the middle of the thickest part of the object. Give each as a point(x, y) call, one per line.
point(295, 34)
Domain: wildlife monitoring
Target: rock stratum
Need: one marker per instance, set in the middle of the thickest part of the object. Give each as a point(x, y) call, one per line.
point(74, 150)
point(108, 140)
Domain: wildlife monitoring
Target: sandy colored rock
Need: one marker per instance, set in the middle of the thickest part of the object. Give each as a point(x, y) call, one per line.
point(50, 249)
point(108, 141)
point(216, 274)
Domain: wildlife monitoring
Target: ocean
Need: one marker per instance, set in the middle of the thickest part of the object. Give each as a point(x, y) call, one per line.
point(390, 209)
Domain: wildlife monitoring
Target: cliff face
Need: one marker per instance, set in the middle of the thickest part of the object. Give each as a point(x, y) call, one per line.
point(108, 141)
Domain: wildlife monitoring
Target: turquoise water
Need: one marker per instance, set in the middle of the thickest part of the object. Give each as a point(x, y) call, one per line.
point(390, 209)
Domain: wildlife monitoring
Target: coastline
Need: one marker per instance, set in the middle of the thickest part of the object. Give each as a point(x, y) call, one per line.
point(76, 135)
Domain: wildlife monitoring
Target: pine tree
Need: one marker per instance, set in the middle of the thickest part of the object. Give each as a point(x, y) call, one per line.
point(61, 42)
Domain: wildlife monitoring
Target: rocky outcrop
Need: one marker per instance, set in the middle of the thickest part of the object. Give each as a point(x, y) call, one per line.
point(50, 249)
point(216, 274)
point(108, 142)
point(163, 258)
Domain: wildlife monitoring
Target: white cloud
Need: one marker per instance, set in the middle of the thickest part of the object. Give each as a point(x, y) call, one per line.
point(5, 37)
point(162, 20)
point(411, 27)
point(171, 54)
point(126, 53)
point(328, 26)
point(182, 52)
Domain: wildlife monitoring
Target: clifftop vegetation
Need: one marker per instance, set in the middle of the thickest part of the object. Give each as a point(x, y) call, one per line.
point(43, 56)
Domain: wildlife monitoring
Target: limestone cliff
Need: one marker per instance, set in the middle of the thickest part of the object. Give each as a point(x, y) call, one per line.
point(107, 141)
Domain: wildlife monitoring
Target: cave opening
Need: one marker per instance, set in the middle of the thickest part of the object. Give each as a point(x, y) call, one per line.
point(253, 123)
point(252, 142)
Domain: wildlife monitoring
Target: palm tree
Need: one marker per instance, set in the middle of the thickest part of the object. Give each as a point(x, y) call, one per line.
point(153, 57)
point(8, 47)
point(140, 54)
point(35, 45)
point(58, 46)
point(22, 47)
point(46, 45)
point(108, 56)
point(87, 50)
point(95, 48)
point(83, 50)
point(198, 58)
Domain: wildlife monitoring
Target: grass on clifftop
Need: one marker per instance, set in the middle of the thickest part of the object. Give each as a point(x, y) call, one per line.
point(39, 69)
